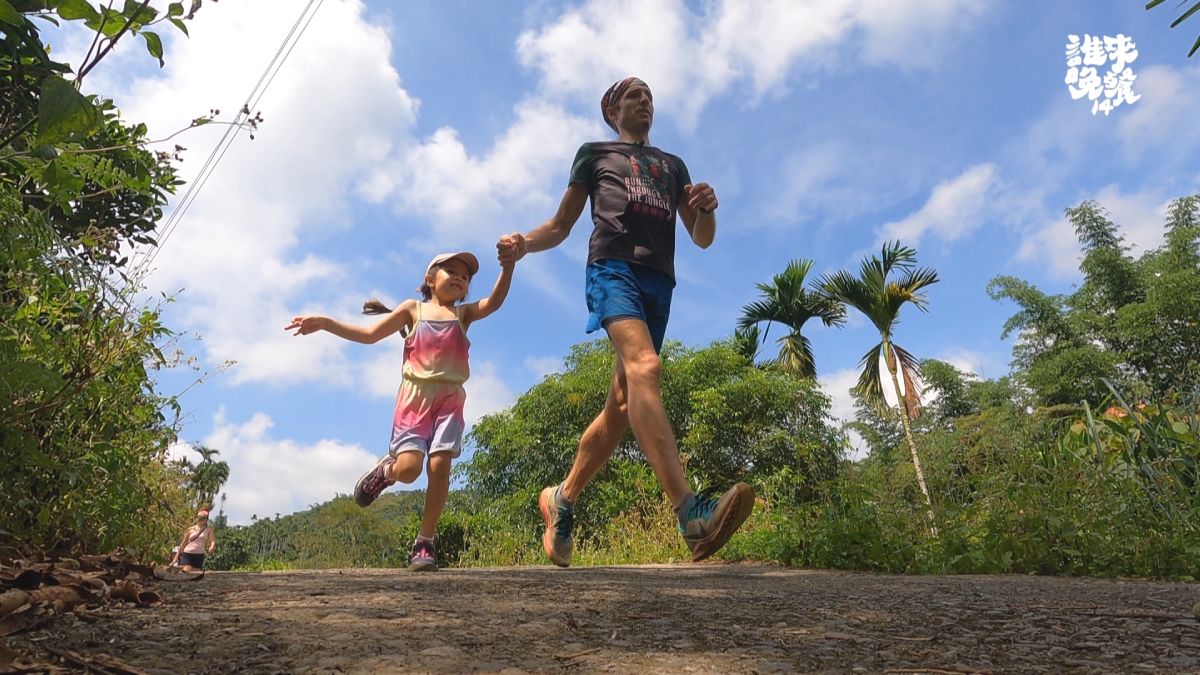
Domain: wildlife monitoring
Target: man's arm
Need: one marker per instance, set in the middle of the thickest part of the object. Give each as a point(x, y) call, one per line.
point(212, 540)
point(512, 247)
point(699, 215)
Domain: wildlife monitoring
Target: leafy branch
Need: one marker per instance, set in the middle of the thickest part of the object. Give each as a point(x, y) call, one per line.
point(1182, 17)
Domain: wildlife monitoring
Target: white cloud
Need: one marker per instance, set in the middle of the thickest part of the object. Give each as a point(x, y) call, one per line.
point(688, 59)
point(438, 177)
point(837, 386)
point(270, 475)
point(1139, 217)
point(1053, 247)
point(584, 50)
point(486, 392)
point(955, 207)
point(237, 250)
point(544, 365)
point(968, 361)
point(832, 177)
point(1160, 127)
point(914, 34)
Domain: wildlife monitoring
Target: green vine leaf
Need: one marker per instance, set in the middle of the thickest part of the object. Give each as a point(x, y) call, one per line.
point(63, 112)
point(9, 15)
point(77, 9)
point(154, 45)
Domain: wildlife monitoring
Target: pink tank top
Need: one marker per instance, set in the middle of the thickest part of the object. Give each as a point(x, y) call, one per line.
point(198, 542)
point(436, 350)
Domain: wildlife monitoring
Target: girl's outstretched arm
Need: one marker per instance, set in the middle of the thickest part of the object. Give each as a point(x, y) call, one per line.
point(480, 309)
point(400, 318)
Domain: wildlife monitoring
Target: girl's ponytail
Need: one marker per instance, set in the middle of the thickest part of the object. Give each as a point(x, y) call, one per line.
point(374, 306)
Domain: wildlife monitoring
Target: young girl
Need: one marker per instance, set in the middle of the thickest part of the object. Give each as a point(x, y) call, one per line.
point(429, 406)
point(198, 540)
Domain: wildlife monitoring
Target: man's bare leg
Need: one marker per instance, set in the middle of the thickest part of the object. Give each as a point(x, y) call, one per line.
point(647, 416)
point(596, 447)
point(635, 399)
point(600, 439)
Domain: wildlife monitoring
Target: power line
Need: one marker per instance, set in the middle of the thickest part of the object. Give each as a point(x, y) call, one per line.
point(231, 132)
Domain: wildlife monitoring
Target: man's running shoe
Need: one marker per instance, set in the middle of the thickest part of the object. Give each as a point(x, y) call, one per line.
point(711, 522)
point(559, 521)
point(423, 557)
point(373, 482)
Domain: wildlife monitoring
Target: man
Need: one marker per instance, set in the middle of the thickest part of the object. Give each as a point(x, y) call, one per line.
point(635, 190)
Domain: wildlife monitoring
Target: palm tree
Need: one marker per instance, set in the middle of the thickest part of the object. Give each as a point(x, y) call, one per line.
point(1190, 11)
point(207, 476)
point(880, 301)
point(787, 302)
point(746, 341)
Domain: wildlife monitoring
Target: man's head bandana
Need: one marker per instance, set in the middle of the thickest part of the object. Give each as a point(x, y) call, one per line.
point(614, 94)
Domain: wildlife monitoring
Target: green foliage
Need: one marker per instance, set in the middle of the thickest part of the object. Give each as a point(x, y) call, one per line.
point(880, 300)
point(1018, 493)
point(1132, 322)
point(757, 424)
point(1182, 17)
point(83, 433)
point(69, 155)
point(786, 302)
point(882, 431)
point(338, 533)
point(733, 421)
point(205, 478)
point(950, 387)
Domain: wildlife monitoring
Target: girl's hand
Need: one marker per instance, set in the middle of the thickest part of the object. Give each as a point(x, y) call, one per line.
point(510, 249)
point(305, 324)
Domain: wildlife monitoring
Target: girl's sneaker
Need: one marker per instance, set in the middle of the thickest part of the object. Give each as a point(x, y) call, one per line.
point(423, 557)
point(372, 483)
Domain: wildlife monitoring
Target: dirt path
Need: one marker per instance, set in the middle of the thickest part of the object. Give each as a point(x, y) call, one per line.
point(710, 618)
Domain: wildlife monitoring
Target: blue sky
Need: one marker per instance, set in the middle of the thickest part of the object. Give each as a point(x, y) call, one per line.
point(398, 130)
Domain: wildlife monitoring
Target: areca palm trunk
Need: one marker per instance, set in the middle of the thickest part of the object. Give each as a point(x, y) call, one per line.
point(890, 359)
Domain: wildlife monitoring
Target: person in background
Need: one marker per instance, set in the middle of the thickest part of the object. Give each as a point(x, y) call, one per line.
point(199, 540)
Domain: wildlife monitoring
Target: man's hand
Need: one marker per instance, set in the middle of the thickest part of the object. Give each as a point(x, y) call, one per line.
point(701, 197)
point(510, 249)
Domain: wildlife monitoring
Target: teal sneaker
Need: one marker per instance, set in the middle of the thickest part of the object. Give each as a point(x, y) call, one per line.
point(711, 522)
point(559, 522)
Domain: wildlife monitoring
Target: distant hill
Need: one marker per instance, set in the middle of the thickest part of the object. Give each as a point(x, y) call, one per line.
point(338, 533)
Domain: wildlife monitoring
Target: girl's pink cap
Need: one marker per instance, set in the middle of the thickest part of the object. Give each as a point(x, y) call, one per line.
point(469, 258)
point(202, 512)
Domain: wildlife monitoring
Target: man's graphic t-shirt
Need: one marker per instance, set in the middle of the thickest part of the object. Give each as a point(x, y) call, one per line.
point(634, 191)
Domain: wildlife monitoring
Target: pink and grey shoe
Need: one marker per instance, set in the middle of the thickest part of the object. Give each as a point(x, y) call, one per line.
point(423, 557)
point(373, 482)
